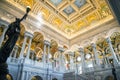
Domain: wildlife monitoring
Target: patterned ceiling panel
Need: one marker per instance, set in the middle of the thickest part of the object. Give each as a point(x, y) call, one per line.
point(45, 13)
point(27, 2)
point(70, 16)
point(57, 21)
point(56, 2)
point(80, 3)
point(91, 18)
point(69, 10)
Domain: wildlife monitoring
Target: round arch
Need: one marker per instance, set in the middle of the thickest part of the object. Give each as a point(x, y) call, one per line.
point(54, 47)
point(85, 42)
point(39, 31)
point(74, 47)
point(38, 36)
point(38, 39)
point(112, 31)
point(100, 39)
point(115, 38)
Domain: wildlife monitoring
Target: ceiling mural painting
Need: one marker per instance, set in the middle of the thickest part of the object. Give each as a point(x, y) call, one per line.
point(70, 17)
point(57, 22)
point(80, 3)
point(27, 2)
point(56, 2)
point(69, 10)
point(45, 13)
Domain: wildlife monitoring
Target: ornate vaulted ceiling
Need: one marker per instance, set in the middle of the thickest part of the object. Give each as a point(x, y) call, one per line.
point(70, 17)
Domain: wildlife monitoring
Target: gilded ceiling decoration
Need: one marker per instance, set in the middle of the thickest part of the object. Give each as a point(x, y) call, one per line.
point(27, 2)
point(70, 16)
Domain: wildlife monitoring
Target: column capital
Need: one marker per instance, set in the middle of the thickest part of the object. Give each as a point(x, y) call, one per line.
point(93, 45)
point(16, 46)
point(46, 42)
point(71, 53)
point(81, 49)
point(28, 34)
point(108, 40)
point(61, 49)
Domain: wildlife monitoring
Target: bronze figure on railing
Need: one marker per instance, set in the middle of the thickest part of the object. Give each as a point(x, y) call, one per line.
point(12, 35)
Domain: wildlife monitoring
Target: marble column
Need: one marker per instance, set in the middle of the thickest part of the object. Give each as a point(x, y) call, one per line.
point(112, 50)
point(32, 56)
point(47, 59)
point(95, 54)
point(23, 45)
point(23, 75)
point(27, 76)
point(29, 46)
point(71, 60)
point(61, 62)
point(11, 54)
point(44, 52)
point(16, 50)
point(104, 58)
point(82, 59)
point(48, 55)
point(3, 34)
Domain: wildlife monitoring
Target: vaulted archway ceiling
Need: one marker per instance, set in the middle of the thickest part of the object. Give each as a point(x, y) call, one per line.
point(70, 17)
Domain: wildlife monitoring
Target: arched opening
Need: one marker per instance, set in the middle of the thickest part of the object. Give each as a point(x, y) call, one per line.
point(54, 47)
point(36, 78)
point(37, 46)
point(109, 78)
point(103, 51)
point(66, 59)
point(89, 57)
point(115, 40)
point(54, 79)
